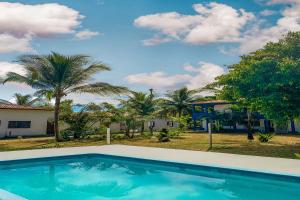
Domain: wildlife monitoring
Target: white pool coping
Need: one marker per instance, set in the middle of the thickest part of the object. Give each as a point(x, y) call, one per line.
point(233, 161)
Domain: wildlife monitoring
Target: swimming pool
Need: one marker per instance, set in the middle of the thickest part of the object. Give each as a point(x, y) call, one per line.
point(102, 177)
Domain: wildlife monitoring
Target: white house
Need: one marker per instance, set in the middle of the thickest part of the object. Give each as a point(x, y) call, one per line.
point(157, 125)
point(19, 120)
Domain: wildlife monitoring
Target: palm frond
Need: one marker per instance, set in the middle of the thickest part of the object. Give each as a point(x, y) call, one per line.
point(99, 88)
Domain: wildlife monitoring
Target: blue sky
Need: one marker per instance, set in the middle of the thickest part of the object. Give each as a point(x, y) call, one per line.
point(160, 44)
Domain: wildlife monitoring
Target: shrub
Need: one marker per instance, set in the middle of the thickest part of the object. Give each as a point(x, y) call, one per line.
point(163, 136)
point(297, 155)
point(65, 135)
point(118, 136)
point(265, 137)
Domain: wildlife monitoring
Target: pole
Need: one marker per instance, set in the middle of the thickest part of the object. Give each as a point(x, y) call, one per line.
point(108, 135)
point(209, 136)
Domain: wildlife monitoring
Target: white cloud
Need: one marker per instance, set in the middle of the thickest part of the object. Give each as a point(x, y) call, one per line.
point(204, 74)
point(258, 36)
point(155, 41)
point(19, 21)
point(86, 34)
point(195, 77)
point(6, 67)
point(214, 22)
point(10, 43)
point(158, 80)
point(272, 2)
point(267, 12)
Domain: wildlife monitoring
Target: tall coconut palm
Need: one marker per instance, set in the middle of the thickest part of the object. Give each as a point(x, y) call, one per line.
point(60, 75)
point(180, 99)
point(143, 104)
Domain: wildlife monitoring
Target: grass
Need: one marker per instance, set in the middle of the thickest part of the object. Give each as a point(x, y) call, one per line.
point(284, 146)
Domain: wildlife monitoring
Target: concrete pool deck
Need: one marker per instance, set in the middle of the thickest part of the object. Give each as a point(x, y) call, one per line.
point(233, 161)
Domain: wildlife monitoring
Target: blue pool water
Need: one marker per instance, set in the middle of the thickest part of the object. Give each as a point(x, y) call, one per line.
point(98, 177)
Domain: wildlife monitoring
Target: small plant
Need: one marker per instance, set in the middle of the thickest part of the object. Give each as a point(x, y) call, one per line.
point(163, 136)
point(297, 155)
point(65, 135)
point(265, 137)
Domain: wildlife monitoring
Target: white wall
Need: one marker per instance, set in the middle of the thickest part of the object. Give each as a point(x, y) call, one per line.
point(38, 120)
point(159, 124)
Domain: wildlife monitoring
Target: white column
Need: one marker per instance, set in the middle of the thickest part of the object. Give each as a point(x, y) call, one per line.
point(108, 135)
point(209, 136)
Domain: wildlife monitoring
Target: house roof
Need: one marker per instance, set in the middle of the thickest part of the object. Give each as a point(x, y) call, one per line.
point(22, 107)
point(210, 102)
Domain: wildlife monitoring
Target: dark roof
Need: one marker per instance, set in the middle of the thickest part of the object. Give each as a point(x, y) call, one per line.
point(210, 102)
point(22, 107)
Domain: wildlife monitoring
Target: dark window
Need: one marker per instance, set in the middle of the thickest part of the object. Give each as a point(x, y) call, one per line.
point(19, 124)
point(170, 123)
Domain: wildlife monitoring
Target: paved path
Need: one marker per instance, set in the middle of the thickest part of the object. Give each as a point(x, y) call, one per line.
point(251, 163)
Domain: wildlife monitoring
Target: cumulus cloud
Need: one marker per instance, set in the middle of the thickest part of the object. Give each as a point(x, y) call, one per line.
point(214, 22)
point(258, 36)
point(194, 77)
point(155, 41)
point(20, 22)
point(10, 43)
point(204, 74)
point(267, 12)
point(86, 34)
point(158, 80)
point(220, 23)
point(6, 67)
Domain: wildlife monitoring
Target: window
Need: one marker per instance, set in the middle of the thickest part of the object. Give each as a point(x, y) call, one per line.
point(19, 124)
point(170, 123)
point(198, 108)
point(152, 124)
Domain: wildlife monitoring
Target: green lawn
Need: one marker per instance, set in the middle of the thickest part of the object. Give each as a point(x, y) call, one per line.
point(284, 146)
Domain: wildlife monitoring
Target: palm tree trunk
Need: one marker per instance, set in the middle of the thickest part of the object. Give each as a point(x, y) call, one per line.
point(56, 117)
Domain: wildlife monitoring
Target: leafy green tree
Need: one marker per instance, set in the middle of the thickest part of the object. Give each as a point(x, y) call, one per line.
point(180, 100)
point(60, 75)
point(267, 80)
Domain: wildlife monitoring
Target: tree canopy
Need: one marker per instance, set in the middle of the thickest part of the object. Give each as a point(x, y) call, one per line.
point(267, 80)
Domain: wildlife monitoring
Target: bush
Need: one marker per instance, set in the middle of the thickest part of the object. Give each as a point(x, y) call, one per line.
point(118, 136)
point(297, 155)
point(163, 136)
point(65, 135)
point(265, 137)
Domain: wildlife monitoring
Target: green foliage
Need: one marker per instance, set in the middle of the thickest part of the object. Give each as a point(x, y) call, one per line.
point(179, 100)
point(163, 135)
point(66, 135)
point(265, 137)
point(56, 75)
point(80, 123)
point(183, 123)
point(297, 155)
point(118, 136)
point(267, 80)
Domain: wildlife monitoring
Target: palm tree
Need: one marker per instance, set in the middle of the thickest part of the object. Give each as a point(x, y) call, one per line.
point(60, 75)
point(25, 99)
point(143, 104)
point(180, 99)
